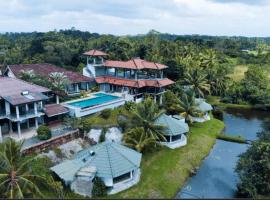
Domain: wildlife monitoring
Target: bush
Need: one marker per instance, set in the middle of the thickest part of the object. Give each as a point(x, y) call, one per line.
point(129, 106)
point(102, 135)
point(124, 124)
point(99, 188)
point(44, 132)
point(105, 114)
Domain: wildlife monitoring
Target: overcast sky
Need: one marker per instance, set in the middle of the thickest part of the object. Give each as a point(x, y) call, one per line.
point(121, 17)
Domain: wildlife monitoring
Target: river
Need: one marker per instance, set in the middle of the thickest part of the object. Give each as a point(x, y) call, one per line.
point(216, 177)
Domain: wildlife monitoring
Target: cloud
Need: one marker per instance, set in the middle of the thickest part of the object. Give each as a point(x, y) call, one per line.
point(213, 17)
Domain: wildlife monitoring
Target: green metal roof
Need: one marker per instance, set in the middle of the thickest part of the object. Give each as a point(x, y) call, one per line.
point(202, 105)
point(173, 126)
point(110, 159)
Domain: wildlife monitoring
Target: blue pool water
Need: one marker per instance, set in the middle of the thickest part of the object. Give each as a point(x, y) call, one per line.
point(99, 99)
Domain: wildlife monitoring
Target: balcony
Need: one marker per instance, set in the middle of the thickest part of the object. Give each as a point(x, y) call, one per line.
point(23, 116)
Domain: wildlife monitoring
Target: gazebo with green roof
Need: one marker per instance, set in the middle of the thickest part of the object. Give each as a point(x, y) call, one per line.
point(117, 165)
point(174, 132)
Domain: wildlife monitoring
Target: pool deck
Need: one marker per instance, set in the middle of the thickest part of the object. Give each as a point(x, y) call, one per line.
point(76, 111)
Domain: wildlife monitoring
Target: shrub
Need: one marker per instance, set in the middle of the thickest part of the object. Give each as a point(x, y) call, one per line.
point(129, 105)
point(102, 135)
point(105, 114)
point(44, 132)
point(99, 188)
point(123, 123)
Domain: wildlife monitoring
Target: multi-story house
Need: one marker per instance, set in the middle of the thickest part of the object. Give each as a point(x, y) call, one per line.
point(22, 106)
point(76, 82)
point(135, 77)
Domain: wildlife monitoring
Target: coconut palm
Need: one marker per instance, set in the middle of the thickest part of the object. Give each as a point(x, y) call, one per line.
point(59, 80)
point(27, 75)
point(197, 82)
point(188, 107)
point(145, 115)
point(16, 178)
point(138, 139)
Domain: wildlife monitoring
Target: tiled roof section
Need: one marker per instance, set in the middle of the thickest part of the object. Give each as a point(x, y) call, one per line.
point(135, 83)
point(172, 126)
point(45, 69)
point(55, 109)
point(135, 63)
point(110, 159)
point(13, 86)
point(95, 52)
point(21, 99)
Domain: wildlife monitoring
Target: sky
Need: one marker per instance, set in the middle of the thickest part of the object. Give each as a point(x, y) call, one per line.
point(123, 17)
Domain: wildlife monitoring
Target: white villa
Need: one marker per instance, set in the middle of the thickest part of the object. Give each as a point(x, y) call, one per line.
point(117, 165)
point(174, 132)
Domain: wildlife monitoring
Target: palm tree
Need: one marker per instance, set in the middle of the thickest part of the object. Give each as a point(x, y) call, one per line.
point(138, 139)
point(145, 115)
point(27, 75)
point(197, 82)
point(188, 107)
point(16, 178)
point(59, 81)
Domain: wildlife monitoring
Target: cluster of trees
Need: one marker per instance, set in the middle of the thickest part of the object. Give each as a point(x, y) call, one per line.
point(253, 89)
point(254, 169)
point(56, 81)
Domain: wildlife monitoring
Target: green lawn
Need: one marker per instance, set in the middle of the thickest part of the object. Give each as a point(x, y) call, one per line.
point(97, 120)
point(164, 172)
point(238, 72)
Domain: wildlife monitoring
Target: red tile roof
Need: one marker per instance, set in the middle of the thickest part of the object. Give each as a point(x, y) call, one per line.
point(55, 109)
point(45, 69)
point(136, 63)
point(95, 53)
point(134, 83)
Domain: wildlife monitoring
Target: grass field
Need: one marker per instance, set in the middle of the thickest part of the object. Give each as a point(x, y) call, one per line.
point(164, 172)
point(238, 72)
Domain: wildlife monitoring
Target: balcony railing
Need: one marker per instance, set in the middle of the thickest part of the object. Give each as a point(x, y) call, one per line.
point(22, 116)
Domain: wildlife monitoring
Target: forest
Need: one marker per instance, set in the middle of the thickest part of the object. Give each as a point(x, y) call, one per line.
point(234, 68)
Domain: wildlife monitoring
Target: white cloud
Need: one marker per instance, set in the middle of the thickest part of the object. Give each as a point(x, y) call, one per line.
point(214, 17)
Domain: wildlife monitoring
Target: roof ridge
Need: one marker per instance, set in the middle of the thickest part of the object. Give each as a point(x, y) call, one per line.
point(124, 155)
point(134, 63)
point(110, 163)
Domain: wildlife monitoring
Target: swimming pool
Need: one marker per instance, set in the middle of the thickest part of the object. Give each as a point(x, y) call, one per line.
point(100, 98)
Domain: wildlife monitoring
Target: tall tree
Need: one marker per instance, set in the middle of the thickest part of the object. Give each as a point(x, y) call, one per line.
point(145, 115)
point(16, 177)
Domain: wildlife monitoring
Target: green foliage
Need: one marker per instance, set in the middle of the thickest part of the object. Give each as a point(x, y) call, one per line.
point(254, 88)
point(44, 132)
point(138, 139)
point(73, 122)
point(102, 137)
point(144, 115)
point(232, 138)
point(129, 105)
point(188, 107)
point(253, 168)
point(18, 178)
point(171, 103)
point(106, 113)
point(99, 188)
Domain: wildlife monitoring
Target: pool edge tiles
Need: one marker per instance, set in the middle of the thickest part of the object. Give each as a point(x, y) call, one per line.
point(96, 103)
point(93, 101)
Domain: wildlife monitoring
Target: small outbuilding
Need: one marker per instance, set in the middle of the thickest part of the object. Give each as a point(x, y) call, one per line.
point(117, 165)
point(203, 107)
point(174, 132)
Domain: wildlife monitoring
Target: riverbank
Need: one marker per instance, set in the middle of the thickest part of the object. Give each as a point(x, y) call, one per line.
point(215, 101)
point(164, 172)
